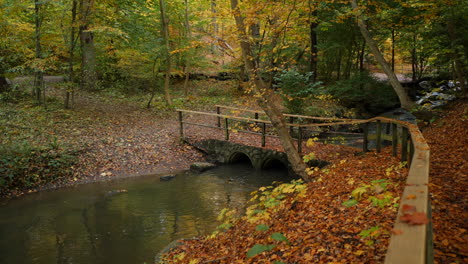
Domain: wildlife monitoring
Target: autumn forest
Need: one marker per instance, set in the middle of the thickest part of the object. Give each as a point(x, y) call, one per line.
point(89, 92)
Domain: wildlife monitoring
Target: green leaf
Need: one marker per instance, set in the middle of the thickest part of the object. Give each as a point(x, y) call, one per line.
point(359, 191)
point(350, 203)
point(224, 226)
point(371, 232)
point(259, 248)
point(262, 227)
point(279, 237)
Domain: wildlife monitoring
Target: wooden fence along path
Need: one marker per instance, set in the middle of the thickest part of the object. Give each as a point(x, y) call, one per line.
point(413, 245)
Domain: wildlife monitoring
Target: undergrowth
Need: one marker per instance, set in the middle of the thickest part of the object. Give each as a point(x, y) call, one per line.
point(25, 166)
point(30, 155)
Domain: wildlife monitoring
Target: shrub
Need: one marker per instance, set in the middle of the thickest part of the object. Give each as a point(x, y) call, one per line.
point(23, 166)
point(13, 94)
point(364, 92)
point(295, 88)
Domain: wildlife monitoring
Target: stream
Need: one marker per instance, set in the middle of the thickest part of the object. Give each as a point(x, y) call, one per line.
point(88, 224)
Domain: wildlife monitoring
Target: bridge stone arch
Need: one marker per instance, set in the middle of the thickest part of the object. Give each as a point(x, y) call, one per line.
point(227, 152)
point(239, 157)
point(273, 163)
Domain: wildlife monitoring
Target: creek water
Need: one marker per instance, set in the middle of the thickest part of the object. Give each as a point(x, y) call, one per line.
point(88, 224)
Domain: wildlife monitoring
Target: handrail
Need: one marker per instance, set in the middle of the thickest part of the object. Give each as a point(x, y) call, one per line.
point(408, 245)
point(286, 115)
point(224, 116)
point(350, 122)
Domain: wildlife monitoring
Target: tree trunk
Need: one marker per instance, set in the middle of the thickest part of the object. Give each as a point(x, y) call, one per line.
point(260, 88)
point(69, 94)
point(188, 35)
point(338, 65)
point(393, 49)
point(165, 27)
point(214, 24)
point(39, 74)
point(405, 101)
point(414, 60)
point(361, 57)
point(153, 84)
point(457, 63)
point(313, 43)
point(349, 61)
point(88, 52)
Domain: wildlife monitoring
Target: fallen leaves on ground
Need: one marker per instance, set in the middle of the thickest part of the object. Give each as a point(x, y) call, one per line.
point(318, 227)
point(321, 230)
point(448, 141)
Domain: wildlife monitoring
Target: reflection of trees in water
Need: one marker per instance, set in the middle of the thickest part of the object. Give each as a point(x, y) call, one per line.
point(85, 226)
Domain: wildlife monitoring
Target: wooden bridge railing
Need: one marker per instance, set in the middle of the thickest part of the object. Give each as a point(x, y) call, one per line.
point(413, 243)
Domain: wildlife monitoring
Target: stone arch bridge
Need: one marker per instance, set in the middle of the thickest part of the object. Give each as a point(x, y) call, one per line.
point(261, 158)
point(230, 152)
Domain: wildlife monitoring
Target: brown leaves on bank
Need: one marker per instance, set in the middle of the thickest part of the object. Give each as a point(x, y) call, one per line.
point(448, 183)
point(321, 230)
point(320, 226)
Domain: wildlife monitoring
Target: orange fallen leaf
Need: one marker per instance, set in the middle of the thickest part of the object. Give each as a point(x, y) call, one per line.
point(408, 209)
point(417, 218)
point(397, 231)
point(411, 196)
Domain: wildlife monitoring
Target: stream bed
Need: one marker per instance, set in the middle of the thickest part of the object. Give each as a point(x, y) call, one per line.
point(93, 223)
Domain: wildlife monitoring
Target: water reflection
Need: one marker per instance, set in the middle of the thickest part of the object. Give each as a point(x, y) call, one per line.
point(86, 225)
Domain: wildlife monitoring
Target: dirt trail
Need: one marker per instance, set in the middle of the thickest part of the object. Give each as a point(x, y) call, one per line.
point(118, 138)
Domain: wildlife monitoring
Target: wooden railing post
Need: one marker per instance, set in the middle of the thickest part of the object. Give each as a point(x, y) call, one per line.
point(404, 144)
point(263, 134)
point(226, 128)
point(378, 140)
point(299, 141)
point(394, 139)
point(218, 111)
point(181, 124)
point(365, 141)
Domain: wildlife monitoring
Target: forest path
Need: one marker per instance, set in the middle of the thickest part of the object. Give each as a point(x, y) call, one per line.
point(118, 138)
